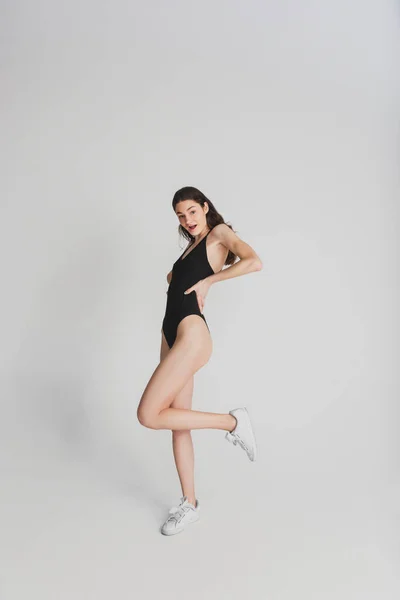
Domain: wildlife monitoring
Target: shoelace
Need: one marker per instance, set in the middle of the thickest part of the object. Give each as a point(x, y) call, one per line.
point(177, 512)
point(235, 439)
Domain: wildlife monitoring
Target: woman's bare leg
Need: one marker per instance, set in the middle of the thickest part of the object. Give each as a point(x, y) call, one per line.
point(182, 443)
point(191, 350)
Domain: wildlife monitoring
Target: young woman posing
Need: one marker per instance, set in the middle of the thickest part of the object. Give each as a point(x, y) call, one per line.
point(186, 343)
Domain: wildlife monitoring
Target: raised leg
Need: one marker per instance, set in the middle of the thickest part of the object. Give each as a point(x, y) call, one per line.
point(191, 351)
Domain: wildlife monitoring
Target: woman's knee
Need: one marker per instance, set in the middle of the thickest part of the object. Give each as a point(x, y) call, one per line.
point(146, 418)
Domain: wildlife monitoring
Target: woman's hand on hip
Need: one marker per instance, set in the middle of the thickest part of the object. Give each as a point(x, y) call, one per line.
point(201, 288)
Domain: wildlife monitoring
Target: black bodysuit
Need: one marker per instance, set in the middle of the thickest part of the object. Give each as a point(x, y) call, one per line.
point(185, 273)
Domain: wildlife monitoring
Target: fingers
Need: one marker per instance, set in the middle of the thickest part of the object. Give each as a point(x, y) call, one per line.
point(200, 303)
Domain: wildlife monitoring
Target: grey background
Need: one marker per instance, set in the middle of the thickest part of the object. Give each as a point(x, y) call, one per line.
point(286, 114)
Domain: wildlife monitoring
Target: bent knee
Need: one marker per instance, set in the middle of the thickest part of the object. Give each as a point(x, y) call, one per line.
point(147, 419)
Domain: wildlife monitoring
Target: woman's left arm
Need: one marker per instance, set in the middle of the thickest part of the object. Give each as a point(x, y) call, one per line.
point(249, 261)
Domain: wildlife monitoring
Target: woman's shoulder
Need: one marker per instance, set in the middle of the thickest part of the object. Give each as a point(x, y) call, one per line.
point(220, 229)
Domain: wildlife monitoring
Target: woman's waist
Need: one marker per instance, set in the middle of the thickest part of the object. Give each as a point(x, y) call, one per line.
point(176, 299)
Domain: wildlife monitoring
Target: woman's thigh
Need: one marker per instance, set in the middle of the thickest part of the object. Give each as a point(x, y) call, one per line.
point(184, 397)
point(190, 352)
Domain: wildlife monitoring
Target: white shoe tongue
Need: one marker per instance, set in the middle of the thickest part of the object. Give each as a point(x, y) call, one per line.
point(186, 501)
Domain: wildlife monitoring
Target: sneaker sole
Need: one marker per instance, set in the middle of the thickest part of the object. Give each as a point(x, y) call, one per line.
point(252, 435)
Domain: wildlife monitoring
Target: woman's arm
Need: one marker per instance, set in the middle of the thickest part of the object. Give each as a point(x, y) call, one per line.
point(249, 260)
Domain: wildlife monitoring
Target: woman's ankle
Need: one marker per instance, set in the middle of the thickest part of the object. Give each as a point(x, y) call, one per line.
point(233, 424)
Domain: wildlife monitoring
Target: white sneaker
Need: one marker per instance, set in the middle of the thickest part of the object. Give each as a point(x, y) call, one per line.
point(180, 516)
point(243, 433)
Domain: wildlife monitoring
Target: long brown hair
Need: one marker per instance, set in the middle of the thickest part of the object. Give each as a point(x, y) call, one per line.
point(213, 217)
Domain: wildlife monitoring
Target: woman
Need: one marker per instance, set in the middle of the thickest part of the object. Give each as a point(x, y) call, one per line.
point(186, 343)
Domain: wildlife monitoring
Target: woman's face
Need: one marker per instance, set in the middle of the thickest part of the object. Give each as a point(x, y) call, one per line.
point(191, 215)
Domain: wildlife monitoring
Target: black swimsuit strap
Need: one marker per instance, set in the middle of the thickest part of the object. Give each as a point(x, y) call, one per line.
point(190, 245)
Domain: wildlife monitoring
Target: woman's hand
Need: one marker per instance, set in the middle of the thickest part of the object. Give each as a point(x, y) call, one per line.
point(201, 288)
